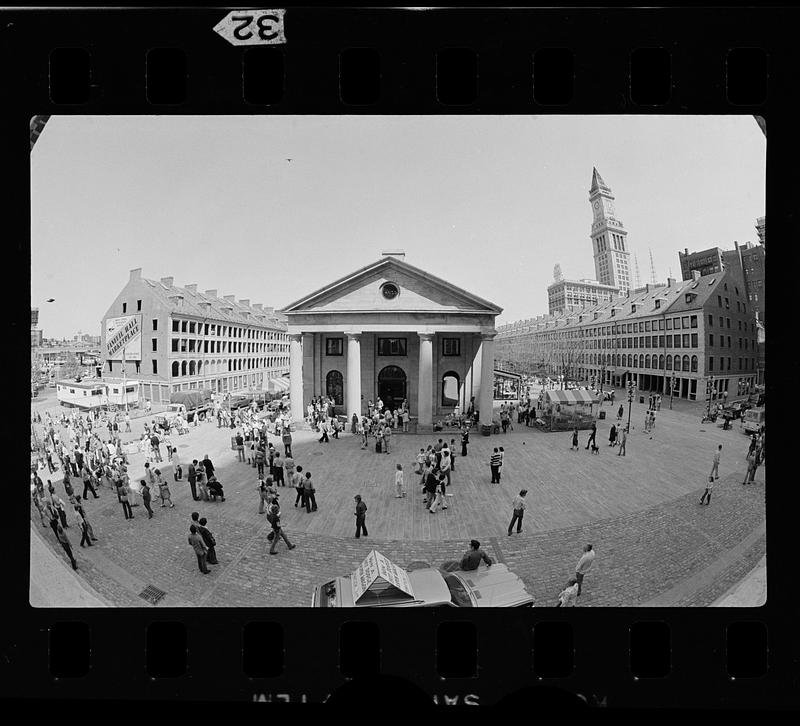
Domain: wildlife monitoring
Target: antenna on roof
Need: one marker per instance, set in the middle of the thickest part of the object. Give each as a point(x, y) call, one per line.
point(652, 268)
point(638, 282)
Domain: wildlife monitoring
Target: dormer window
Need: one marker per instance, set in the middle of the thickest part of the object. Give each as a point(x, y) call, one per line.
point(633, 307)
point(658, 303)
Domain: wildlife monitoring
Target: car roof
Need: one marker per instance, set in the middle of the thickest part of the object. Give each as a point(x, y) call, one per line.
point(495, 586)
point(428, 585)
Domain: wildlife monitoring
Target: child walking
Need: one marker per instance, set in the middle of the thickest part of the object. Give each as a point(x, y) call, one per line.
point(398, 482)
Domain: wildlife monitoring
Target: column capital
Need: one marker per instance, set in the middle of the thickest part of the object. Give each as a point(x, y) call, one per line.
point(296, 337)
point(426, 336)
point(489, 336)
point(354, 335)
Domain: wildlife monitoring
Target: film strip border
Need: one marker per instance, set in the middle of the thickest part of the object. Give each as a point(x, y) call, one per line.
point(550, 61)
point(444, 61)
point(276, 662)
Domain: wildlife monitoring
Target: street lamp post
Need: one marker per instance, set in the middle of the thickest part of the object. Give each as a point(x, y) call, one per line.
point(602, 376)
point(630, 402)
point(671, 390)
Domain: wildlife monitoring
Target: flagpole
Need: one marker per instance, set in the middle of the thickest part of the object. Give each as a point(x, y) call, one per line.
point(124, 393)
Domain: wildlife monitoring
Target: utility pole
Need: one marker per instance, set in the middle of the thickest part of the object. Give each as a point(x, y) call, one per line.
point(671, 390)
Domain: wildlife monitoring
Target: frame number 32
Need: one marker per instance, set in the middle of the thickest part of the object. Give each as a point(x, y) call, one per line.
point(252, 27)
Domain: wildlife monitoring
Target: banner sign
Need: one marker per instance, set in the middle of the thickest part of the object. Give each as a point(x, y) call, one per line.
point(124, 334)
point(379, 573)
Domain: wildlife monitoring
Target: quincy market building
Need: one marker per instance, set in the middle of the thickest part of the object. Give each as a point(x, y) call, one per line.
point(394, 331)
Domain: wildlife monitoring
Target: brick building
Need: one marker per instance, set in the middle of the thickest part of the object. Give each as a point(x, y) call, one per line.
point(176, 338)
point(634, 338)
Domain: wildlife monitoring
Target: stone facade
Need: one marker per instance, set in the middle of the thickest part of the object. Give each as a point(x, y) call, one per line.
point(392, 330)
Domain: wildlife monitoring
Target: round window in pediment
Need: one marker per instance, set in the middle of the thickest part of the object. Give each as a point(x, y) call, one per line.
point(389, 290)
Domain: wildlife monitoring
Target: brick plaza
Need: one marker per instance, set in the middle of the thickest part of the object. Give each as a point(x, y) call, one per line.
point(655, 544)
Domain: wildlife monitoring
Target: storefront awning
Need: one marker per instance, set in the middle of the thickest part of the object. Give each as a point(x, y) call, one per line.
point(572, 397)
point(279, 384)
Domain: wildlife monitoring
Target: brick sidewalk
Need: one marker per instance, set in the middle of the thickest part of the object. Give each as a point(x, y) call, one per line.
point(640, 512)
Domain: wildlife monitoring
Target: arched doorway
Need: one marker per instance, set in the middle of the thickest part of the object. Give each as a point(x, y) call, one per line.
point(392, 387)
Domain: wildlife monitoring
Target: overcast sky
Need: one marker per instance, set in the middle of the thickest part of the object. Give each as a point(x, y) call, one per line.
point(490, 203)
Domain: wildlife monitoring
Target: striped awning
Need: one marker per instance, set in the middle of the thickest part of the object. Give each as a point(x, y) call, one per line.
point(279, 384)
point(573, 396)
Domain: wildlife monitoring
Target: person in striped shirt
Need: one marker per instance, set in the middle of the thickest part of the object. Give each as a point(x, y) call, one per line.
point(494, 464)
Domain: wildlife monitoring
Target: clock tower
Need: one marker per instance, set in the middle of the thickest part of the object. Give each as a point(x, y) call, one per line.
point(609, 238)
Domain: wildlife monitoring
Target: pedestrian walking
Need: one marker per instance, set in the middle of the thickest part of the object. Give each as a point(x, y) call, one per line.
point(592, 435)
point(568, 597)
point(518, 506)
point(200, 549)
point(445, 465)
point(126, 505)
point(177, 469)
point(612, 435)
point(709, 490)
point(752, 465)
point(715, 464)
point(308, 494)
point(261, 459)
point(163, 490)
point(286, 438)
point(387, 437)
point(297, 483)
point(277, 469)
point(63, 540)
point(240, 446)
point(361, 516)
point(494, 465)
point(439, 494)
point(202, 484)
point(87, 482)
point(620, 412)
point(398, 482)
point(274, 518)
point(574, 446)
point(208, 466)
point(191, 475)
point(208, 538)
point(623, 440)
point(464, 440)
point(146, 496)
point(584, 565)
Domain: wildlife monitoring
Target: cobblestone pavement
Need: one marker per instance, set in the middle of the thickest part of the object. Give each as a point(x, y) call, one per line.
point(641, 513)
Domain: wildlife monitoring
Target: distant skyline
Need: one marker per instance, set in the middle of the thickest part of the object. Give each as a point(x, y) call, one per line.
point(272, 207)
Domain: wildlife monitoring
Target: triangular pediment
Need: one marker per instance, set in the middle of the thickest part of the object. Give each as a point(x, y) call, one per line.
point(417, 291)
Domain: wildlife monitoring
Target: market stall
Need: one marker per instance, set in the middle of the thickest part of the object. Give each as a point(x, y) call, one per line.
point(565, 410)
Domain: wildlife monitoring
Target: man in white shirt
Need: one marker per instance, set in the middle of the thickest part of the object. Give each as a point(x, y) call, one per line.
point(584, 565)
point(519, 510)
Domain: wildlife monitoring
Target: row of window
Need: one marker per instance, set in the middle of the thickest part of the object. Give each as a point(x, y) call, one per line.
point(224, 331)
point(190, 345)
point(393, 346)
point(668, 362)
point(199, 368)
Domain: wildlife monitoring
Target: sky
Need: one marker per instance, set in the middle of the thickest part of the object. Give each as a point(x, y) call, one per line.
point(270, 208)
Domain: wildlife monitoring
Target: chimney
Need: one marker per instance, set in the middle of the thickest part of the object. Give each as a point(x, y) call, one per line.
point(246, 303)
point(136, 274)
point(269, 311)
point(211, 293)
point(229, 298)
point(167, 281)
point(396, 254)
point(257, 306)
point(191, 288)
point(685, 250)
point(696, 275)
point(647, 287)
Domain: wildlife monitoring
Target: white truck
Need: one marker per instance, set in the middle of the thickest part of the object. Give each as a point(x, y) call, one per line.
point(753, 420)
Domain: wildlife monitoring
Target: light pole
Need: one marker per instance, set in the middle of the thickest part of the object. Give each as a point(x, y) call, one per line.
point(671, 390)
point(602, 376)
point(630, 402)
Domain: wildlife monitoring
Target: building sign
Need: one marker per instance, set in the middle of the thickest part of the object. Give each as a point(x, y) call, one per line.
point(507, 386)
point(377, 573)
point(124, 334)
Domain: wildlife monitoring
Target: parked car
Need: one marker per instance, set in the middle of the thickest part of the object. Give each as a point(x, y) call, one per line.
point(240, 400)
point(494, 586)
